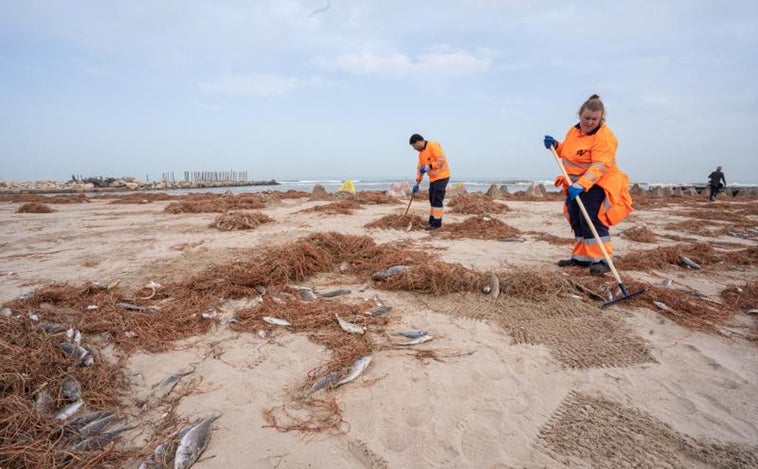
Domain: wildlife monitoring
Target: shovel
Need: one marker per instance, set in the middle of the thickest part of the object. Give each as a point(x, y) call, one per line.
point(622, 287)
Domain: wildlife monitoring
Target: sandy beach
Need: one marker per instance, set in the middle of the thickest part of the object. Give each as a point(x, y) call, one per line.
point(546, 379)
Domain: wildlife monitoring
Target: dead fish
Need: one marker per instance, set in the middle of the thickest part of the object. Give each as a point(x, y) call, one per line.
point(74, 350)
point(379, 310)
point(329, 380)
point(98, 441)
point(390, 272)
point(689, 263)
point(364, 287)
point(276, 321)
point(494, 286)
point(86, 419)
point(752, 311)
point(412, 334)
point(50, 328)
point(73, 335)
point(91, 307)
point(156, 460)
point(33, 316)
point(69, 410)
point(71, 389)
point(355, 369)
point(44, 402)
point(667, 282)
point(133, 307)
point(193, 443)
point(417, 340)
point(349, 327)
point(333, 293)
point(308, 295)
point(263, 333)
point(98, 425)
point(170, 382)
point(662, 305)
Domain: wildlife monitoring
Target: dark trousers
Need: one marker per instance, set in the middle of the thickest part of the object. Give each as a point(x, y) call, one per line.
point(591, 200)
point(436, 200)
point(715, 189)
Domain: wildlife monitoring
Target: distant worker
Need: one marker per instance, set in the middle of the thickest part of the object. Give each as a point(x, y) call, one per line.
point(433, 163)
point(589, 155)
point(716, 186)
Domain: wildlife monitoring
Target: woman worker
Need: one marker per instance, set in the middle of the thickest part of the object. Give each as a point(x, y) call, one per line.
point(588, 152)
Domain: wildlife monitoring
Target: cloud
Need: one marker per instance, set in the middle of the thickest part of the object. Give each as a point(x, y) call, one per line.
point(440, 61)
point(252, 84)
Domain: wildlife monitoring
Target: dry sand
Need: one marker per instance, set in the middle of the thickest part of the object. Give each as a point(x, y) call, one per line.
point(514, 385)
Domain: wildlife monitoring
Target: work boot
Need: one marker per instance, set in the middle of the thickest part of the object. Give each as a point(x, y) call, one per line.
point(430, 227)
point(572, 263)
point(599, 268)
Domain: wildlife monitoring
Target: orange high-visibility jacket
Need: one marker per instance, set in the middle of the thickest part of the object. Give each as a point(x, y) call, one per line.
point(433, 156)
point(591, 159)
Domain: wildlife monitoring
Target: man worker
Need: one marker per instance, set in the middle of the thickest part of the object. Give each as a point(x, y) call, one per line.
point(716, 177)
point(432, 162)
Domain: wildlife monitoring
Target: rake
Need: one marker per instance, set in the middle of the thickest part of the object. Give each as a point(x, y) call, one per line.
point(625, 293)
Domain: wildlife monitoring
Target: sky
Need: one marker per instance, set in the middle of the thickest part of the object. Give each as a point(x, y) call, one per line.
point(333, 89)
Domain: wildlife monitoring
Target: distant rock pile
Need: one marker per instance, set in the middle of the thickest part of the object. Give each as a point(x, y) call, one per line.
point(114, 184)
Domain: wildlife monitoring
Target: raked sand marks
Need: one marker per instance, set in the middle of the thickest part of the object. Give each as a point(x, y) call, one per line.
point(578, 334)
point(587, 430)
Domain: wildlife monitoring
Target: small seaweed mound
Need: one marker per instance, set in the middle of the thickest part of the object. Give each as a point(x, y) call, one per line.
point(481, 227)
point(476, 204)
point(34, 207)
point(240, 220)
point(640, 234)
point(398, 222)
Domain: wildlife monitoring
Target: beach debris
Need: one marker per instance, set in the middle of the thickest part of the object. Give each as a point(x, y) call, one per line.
point(71, 389)
point(662, 305)
point(349, 327)
point(276, 321)
point(327, 381)
point(390, 272)
point(493, 289)
point(355, 369)
point(133, 307)
point(33, 316)
point(74, 336)
point(157, 460)
point(210, 314)
point(81, 422)
point(50, 328)
point(412, 334)
point(78, 352)
point(263, 333)
point(333, 293)
point(416, 341)
point(364, 287)
point(307, 294)
point(98, 425)
point(43, 402)
point(91, 307)
point(689, 263)
point(379, 310)
point(667, 282)
point(69, 410)
point(98, 441)
point(153, 286)
point(164, 388)
point(752, 311)
point(6, 312)
point(194, 442)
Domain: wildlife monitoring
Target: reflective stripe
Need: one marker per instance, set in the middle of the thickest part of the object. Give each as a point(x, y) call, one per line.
point(583, 166)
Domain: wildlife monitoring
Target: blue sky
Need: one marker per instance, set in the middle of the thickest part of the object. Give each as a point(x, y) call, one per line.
point(308, 89)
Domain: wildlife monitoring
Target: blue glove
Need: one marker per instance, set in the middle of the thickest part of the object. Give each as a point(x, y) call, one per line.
point(424, 169)
point(574, 190)
point(550, 142)
point(414, 189)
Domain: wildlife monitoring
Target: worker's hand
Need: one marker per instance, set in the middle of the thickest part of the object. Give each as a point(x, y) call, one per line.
point(574, 190)
point(550, 142)
point(424, 169)
point(560, 181)
point(414, 189)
